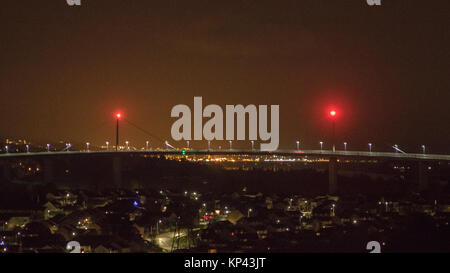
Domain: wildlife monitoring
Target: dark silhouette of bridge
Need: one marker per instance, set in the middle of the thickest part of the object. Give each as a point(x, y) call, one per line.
point(333, 157)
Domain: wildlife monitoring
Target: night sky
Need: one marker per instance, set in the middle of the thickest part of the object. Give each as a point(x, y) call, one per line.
point(64, 71)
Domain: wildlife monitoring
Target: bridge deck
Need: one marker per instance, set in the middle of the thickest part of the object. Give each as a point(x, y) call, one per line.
point(300, 153)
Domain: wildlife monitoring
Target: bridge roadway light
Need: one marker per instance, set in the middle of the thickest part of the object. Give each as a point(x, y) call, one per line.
point(87, 146)
point(187, 143)
point(253, 144)
point(231, 144)
point(68, 145)
point(107, 145)
point(370, 147)
point(28, 148)
point(147, 144)
point(48, 147)
point(345, 146)
point(423, 149)
point(321, 145)
point(126, 144)
point(298, 145)
point(209, 144)
point(6, 148)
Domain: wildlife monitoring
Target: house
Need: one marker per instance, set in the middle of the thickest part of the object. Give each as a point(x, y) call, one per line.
point(12, 220)
point(234, 216)
point(91, 243)
point(67, 231)
point(105, 249)
point(50, 210)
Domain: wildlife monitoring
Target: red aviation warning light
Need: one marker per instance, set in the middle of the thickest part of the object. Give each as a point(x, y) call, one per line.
point(333, 114)
point(118, 116)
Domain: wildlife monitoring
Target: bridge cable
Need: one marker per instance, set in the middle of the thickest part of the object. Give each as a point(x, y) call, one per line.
point(144, 131)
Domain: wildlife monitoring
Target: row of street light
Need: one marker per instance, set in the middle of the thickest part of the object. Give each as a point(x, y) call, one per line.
point(396, 148)
point(147, 146)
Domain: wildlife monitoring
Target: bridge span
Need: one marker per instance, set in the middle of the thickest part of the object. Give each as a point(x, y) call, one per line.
point(49, 156)
point(300, 153)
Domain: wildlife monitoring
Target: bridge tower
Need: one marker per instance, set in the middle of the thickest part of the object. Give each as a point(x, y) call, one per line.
point(117, 171)
point(48, 170)
point(423, 176)
point(6, 170)
point(332, 176)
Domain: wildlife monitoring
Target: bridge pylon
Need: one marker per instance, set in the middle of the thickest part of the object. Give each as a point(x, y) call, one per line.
point(117, 171)
point(423, 176)
point(332, 176)
point(6, 170)
point(48, 170)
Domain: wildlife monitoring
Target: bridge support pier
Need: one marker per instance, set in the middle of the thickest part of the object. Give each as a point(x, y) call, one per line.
point(117, 171)
point(6, 171)
point(332, 176)
point(423, 176)
point(48, 170)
